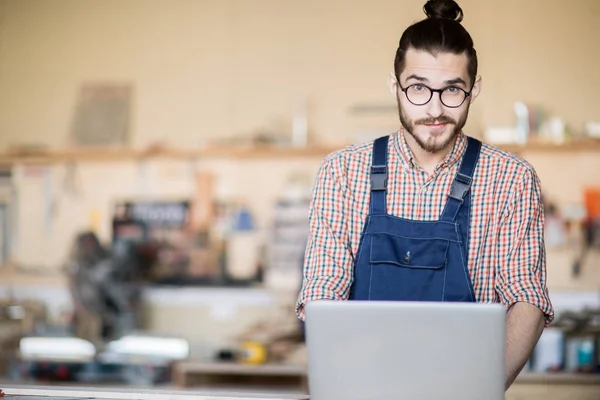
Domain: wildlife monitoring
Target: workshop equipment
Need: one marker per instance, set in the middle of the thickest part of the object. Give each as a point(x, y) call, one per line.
point(105, 344)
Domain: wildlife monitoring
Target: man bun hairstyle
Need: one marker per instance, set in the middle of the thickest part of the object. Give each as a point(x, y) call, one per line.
point(443, 9)
point(440, 32)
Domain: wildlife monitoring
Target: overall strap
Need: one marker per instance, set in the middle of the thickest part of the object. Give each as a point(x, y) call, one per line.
point(379, 176)
point(462, 181)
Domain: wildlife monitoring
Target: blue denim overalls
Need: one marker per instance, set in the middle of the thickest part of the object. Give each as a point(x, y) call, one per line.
point(402, 259)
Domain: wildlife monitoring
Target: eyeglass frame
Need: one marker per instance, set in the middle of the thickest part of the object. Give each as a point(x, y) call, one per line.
point(432, 91)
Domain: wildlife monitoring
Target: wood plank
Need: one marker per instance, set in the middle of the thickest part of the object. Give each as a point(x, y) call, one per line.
point(299, 370)
point(559, 378)
point(241, 369)
point(56, 392)
point(552, 392)
point(193, 373)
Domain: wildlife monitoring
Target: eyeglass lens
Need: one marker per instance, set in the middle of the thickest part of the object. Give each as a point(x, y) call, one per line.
point(421, 94)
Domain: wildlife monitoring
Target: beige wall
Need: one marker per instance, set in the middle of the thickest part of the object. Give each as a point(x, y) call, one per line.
point(205, 69)
point(217, 68)
point(208, 69)
point(212, 68)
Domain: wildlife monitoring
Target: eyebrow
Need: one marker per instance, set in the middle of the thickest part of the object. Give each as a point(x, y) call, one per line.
point(455, 81)
point(448, 82)
point(417, 77)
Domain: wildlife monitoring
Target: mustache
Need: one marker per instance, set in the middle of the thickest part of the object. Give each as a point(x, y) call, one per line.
point(432, 121)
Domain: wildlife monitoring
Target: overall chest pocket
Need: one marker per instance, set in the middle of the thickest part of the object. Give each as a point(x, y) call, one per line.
point(396, 251)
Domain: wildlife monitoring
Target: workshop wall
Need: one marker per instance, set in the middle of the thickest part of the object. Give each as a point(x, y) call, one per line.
point(58, 203)
point(211, 69)
point(221, 69)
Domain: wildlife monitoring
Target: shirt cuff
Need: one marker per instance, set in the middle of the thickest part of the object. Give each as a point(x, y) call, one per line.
point(529, 294)
point(316, 289)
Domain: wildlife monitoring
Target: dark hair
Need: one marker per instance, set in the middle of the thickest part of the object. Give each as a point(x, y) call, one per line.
point(440, 32)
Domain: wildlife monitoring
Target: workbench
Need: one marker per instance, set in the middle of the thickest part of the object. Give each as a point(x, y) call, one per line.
point(528, 387)
point(81, 393)
point(555, 386)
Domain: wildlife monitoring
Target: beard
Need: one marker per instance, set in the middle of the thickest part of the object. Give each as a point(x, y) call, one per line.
point(429, 144)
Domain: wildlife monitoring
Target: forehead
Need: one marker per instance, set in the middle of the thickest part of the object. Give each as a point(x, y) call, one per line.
point(436, 68)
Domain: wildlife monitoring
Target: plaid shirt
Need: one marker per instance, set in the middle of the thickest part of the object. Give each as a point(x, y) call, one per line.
point(507, 258)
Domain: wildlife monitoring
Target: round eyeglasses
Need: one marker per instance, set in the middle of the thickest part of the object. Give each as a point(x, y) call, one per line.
point(451, 96)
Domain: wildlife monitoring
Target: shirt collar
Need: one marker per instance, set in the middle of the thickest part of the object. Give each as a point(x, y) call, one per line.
point(407, 158)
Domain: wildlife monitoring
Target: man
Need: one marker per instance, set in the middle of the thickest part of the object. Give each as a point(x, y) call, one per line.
point(429, 213)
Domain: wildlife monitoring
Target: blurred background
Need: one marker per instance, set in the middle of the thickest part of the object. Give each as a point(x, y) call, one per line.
point(157, 159)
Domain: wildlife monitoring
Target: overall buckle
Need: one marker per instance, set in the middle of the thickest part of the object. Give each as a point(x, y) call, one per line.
point(460, 186)
point(379, 177)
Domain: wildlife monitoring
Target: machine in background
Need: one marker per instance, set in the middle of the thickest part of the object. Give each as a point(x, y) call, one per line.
point(104, 343)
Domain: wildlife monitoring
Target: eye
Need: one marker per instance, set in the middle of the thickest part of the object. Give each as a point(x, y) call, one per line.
point(453, 90)
point(418, 87)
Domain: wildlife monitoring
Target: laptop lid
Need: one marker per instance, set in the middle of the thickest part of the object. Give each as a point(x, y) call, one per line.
point(375, 350)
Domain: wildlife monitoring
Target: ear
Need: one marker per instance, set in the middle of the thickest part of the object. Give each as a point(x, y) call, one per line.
point(393, 84)
point(476, 89)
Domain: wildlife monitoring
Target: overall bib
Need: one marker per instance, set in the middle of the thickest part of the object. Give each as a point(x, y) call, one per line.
point(406, 260)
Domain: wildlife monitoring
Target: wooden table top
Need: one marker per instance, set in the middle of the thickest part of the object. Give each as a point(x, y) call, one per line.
point(33, 392)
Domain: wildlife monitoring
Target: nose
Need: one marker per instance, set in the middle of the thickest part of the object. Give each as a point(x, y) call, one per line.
point(435, 108)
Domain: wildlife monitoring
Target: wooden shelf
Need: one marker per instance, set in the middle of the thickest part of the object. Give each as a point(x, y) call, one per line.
point(588, 145)
point(111, 155)
point(263, 152)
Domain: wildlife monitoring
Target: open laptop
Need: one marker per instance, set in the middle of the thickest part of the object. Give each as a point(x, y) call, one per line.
point(377, 350)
